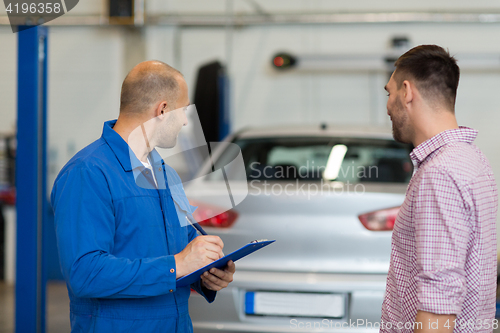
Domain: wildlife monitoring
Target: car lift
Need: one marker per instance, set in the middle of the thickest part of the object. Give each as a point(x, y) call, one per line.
point(31, 171)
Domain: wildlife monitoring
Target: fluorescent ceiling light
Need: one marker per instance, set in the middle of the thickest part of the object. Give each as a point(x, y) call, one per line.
point(334, 162)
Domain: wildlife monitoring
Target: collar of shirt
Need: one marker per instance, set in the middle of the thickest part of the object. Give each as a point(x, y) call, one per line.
point(423, 150)
point(122, 150)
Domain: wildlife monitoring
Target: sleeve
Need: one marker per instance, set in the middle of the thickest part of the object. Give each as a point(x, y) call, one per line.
point(183, 208)
point(209, 295)
point(85, 230)
point(442, 232)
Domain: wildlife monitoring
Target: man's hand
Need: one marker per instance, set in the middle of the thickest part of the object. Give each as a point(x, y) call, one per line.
point(200, 252)
point(218, 279)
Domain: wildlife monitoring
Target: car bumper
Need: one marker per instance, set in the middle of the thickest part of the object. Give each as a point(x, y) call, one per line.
point(363, 299)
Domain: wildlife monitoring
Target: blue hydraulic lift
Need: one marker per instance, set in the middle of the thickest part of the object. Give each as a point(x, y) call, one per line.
point(31, 170)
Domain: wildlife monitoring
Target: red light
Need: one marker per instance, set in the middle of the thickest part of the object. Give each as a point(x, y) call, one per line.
point(207, 216)
point(278, 61)
point(8, 196)
point(380, 220)
point(283, 61)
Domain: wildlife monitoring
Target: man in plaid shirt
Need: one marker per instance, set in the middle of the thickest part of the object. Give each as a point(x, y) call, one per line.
point(442, 276)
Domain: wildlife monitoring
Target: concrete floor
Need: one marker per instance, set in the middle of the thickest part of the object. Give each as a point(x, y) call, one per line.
point(57, 308)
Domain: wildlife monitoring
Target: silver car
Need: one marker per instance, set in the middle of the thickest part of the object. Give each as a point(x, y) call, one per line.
point(329, 197)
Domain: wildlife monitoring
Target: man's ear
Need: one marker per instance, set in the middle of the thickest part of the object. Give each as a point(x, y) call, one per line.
point(408, 92)
point(161, 109)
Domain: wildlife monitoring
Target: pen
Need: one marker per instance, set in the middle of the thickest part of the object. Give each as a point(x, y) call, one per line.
point(196, 226)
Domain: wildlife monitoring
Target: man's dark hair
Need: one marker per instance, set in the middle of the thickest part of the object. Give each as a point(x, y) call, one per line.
point(434, 72)
point(146, 86)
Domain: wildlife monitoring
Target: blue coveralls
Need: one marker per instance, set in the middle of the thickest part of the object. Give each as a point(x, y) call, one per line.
point(117, 238)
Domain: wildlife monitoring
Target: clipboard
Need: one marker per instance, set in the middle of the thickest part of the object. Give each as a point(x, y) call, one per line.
point(238, 254)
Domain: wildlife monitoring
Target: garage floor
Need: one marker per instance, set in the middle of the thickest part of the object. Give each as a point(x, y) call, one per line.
point(57, 308)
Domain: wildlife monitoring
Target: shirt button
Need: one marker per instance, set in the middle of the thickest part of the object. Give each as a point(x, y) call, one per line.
point(159, 169)
point(172, 270)
point(171, 290)
point(147, 172)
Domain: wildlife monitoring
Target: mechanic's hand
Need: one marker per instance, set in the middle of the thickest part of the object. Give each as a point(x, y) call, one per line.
point(200, 252)
point(217, 279)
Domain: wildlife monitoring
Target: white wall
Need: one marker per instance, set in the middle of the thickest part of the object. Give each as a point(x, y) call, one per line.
point(263, 96)
point(8, 80)
point(293, 6)
point(219, 7)
point(85, 75)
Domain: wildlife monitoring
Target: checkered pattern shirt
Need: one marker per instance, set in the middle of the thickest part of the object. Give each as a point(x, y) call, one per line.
point(444, 253)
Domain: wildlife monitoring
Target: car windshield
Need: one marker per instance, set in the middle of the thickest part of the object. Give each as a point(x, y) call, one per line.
point(313, 159)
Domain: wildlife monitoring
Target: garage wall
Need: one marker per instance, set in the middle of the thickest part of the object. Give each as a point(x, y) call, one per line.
point(91, 7)
point(263, 96)
point(85, 75)
point(8, 80)
point(288, 6)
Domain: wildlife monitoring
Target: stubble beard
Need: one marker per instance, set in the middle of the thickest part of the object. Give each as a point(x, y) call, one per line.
point(400, 123)
point(396, 132)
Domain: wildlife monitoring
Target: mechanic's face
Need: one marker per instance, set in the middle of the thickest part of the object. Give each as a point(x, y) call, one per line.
point(401, 128)
point(171, 122)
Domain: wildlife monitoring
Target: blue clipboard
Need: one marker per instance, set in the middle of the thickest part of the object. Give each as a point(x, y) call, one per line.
point(222, 262)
